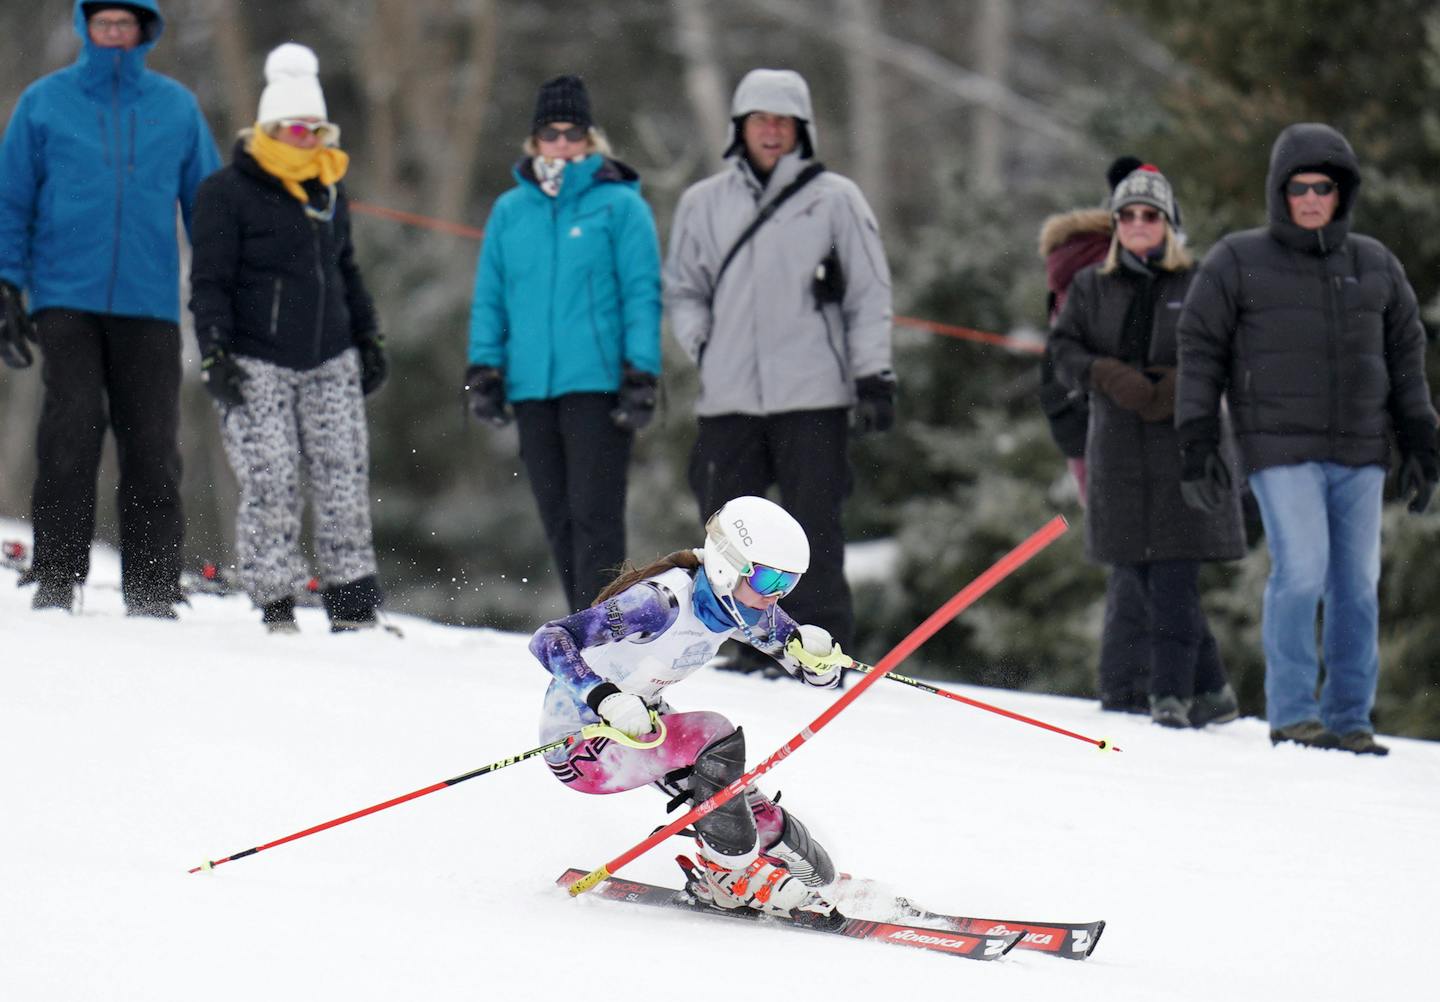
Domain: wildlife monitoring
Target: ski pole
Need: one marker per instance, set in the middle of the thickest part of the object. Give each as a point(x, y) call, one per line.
point(957, 603)
point(492, 767)
point(1104, 744)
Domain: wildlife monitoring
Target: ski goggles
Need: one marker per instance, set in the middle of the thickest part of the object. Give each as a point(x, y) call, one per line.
point(767, 581)
point(298, 127)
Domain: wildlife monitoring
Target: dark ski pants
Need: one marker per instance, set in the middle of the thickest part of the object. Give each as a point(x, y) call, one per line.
point(805, 454)
point(1124, 675)
point(1182, 655)
point(578, 462)
point(125, 371)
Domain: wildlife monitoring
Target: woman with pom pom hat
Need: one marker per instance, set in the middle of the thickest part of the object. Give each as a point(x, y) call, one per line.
point(290, 346)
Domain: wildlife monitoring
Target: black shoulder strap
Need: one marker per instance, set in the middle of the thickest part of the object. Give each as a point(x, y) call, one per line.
point(807, 175)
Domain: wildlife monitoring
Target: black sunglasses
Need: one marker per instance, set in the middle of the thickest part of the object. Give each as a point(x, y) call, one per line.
point(549, 133)
point(1296, 189)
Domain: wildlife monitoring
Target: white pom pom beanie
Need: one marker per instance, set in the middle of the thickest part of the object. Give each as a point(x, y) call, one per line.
point(292, 85)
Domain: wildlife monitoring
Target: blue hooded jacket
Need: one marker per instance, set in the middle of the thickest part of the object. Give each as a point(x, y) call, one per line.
point(93, 162)
point(568, 288)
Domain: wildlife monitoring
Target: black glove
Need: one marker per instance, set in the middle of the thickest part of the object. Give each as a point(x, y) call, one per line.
point(1204, 478)
point(373, 365)
point(16, 328)
point(224, 379)
point(875, 402)
point(485, 387)
point(1419, 463)
point(636, 405)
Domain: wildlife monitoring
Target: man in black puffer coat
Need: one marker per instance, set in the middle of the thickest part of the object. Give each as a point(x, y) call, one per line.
point(1313, 335)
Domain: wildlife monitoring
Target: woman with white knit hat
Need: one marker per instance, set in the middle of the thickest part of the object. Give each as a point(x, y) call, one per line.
point(290, 345)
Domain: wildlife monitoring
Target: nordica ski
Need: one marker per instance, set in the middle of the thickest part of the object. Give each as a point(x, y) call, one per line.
point(1071, 940)
point(974, 946)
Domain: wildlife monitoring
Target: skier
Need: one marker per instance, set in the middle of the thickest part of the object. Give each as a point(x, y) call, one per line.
point(652, 627)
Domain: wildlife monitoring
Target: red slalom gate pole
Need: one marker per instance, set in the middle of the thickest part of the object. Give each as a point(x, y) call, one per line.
point(1104, 744)
point(957, 604)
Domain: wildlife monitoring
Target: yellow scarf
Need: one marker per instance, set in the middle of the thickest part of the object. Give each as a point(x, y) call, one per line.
point(292, 165)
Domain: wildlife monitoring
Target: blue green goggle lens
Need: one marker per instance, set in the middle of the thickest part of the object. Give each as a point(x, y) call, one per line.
point(772, 580)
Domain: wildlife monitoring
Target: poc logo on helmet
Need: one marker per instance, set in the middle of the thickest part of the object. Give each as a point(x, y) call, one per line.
point(743, 532)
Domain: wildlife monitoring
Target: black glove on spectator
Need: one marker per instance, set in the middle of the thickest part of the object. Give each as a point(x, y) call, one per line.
point(16, 328)
point(875, 402)
point(636, 405)
point(1419, 463)
point(224, 379)
point(485, 387)
point(1204, 478)
point(373, 365)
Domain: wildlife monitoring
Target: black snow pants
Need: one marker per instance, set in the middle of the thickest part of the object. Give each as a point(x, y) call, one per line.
point(805, 454)
point(124, 371)
point(578, 463)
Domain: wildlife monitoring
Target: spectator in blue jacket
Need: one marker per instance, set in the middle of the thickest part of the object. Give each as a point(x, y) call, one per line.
point(565, 329)
point(93, 163)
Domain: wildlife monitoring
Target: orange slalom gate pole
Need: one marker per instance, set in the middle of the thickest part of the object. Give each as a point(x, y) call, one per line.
point(958, 603)
point(1104, 744)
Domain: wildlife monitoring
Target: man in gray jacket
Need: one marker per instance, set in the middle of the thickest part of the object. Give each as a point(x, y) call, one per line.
point(789, 324)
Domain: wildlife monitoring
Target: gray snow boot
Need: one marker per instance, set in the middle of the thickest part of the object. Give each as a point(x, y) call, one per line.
point(1170, 711)
point(1218, 707)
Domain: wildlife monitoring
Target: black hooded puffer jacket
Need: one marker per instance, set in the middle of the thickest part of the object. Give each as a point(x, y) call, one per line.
point(1314, 335)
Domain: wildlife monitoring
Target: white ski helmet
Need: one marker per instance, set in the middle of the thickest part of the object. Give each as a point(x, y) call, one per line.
point(749, 531)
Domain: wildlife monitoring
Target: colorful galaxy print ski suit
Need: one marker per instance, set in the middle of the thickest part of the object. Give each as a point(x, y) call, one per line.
point(657, 632)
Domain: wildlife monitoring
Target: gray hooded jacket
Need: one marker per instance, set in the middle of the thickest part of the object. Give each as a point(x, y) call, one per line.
point(762, 344)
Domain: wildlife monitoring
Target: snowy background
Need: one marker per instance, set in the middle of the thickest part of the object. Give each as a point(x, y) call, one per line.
point(133, 750)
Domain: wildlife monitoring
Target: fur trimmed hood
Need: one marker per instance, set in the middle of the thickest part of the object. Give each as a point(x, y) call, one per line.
point(1064, 226)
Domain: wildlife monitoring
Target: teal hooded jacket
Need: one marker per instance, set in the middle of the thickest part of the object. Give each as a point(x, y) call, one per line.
point(567, 292)
point(95, 159)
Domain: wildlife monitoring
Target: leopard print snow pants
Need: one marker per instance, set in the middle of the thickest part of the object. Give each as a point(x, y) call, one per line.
point(300, 427)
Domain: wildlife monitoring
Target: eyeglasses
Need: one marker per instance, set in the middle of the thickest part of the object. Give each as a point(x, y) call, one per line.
point(1138, 215)
point(767, 581)
point(114, 25)
point(548, 133)
point(1298, 189)
point(302, 127)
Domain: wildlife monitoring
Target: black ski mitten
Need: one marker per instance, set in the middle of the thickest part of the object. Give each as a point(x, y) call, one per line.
point(223, 377)
point(16, 328)
point(374, 367)
point(875, 402)
point(485, 390)
point(636, 404)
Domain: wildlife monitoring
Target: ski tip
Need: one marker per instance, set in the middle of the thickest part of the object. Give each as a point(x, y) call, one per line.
point(588, 881)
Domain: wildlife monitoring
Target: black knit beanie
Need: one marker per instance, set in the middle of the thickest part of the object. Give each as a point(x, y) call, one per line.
point(562, 100)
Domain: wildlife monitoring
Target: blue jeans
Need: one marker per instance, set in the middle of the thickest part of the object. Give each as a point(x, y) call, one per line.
point(1322, 523)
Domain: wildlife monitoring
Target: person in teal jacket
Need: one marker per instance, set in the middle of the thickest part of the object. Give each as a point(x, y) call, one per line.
point(565, 329)
point(94, 162)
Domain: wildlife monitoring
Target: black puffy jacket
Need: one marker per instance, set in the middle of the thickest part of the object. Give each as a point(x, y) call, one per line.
point(1313, 335)
point(272, 278)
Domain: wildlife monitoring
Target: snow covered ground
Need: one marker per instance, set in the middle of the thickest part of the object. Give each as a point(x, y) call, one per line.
point(133, 750)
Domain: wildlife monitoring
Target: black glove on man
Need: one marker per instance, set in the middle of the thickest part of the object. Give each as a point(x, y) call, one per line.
point(485, 388)
point(224, 379)
point(373, 365)
point(1204, 476)
point(636, 405)
point(16, 328)
point(1419, 463)
point(875, 402)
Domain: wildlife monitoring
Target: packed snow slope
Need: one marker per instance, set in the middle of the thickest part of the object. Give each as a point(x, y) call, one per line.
point(133, 750)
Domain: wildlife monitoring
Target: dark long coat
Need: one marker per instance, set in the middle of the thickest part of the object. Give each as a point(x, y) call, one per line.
point(1134, 511)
